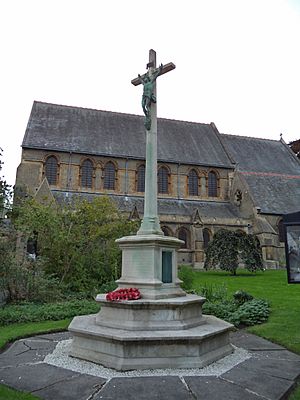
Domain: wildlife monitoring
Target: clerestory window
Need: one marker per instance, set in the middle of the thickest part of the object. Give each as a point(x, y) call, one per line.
point(163, 180)
point(51, 170)
point(109, 176)
point(193, 183)
point(140, 184)
point(87, 173)
point(212, 184)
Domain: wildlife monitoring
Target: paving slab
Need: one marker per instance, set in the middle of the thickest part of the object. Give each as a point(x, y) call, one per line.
point(80, 387)
point(212, 388)
point(283, 355)
point(159, 388)
point(24, 351)
point(270, 374)
point(285, 369)
point(251, 342)
point(31, 378)
point(259, 382)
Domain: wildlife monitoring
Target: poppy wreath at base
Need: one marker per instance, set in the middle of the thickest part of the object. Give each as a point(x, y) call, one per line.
point(124, 294)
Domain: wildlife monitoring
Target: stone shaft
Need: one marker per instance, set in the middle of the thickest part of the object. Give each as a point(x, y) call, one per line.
point(150, 223)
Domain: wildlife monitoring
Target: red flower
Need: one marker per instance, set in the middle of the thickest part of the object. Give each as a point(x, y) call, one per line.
point(124, 294)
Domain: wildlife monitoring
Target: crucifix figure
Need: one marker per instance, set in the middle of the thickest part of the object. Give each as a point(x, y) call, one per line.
point(150, 223)
point(149, 82)
point(148, 96)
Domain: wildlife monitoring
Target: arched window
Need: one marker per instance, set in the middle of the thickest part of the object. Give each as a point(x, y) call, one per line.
point(166, 231)
point(281, 231)
point(183, 234)
point(212, 184)
point(163, 178)
point(87, 174)
point(193, 183)
point(140, 183)
point(206, 237)
point(51, 170)
point(109, 176)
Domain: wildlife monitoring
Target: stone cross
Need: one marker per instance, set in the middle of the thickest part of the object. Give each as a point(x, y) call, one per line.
point(150, 223)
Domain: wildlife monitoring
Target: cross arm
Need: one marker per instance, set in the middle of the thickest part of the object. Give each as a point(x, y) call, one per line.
point(166, 68)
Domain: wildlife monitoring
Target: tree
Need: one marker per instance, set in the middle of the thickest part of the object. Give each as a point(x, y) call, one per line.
point(5, 192)
point(295, 147)
point(228, 248)
point(76, 242)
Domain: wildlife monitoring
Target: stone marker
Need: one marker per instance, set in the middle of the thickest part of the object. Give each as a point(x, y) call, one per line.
point(165, 328)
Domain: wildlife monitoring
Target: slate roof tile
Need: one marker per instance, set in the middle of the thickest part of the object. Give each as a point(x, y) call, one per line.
point(64, 128)
point(207, 209)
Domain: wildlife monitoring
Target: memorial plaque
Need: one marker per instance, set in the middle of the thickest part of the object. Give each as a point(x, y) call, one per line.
point(167, 266)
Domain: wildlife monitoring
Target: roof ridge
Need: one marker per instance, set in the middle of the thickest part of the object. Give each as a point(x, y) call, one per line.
point(85, 108)
point(250, 137)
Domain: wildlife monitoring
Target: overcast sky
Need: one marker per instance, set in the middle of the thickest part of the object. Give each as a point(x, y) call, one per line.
point(237, 62)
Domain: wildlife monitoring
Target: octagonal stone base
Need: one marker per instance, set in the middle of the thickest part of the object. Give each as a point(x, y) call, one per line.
point(145, 334)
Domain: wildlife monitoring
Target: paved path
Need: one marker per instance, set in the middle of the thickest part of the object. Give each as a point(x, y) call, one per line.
point(270, 373)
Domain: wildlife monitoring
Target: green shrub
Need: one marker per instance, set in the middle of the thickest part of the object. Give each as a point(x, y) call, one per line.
point(27, 280)
point(241, 297)
point(29, 312)
point(213, 293)
point(76, 241)
point(242, 310)
point(222, 310)
point(252, 312)
point(186, 274)
point(108, 287)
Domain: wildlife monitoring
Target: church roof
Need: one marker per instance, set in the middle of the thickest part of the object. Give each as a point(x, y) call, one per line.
point(62, 128)
point(261, 155)
point(207, 209)
point(275, 194)
point(271, 171)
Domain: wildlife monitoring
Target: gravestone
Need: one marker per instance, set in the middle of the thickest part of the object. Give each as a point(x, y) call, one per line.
point(165, 328)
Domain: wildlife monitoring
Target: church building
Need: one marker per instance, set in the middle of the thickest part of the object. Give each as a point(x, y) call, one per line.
point(206, 180)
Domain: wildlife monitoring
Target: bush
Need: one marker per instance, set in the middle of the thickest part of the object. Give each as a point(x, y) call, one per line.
point(241, 297)
point(252, 312)
point(213, 293)
point(76, 241)
point(26, 279)
point(222, 310)
point(28, 312)
point(241, 310)
point(186, 274)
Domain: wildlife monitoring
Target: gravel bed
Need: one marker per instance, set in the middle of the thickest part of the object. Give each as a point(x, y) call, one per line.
point(60, 358)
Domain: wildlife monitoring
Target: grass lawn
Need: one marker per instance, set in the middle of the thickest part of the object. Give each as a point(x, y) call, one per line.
point(7, 393)
point(12, 332)
point(283, 326)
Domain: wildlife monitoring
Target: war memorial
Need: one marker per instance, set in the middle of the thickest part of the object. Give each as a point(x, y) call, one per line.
point(165, 328)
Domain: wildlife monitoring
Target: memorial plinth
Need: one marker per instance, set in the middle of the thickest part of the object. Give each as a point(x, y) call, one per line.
point(149, 262)
point(165, 328)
